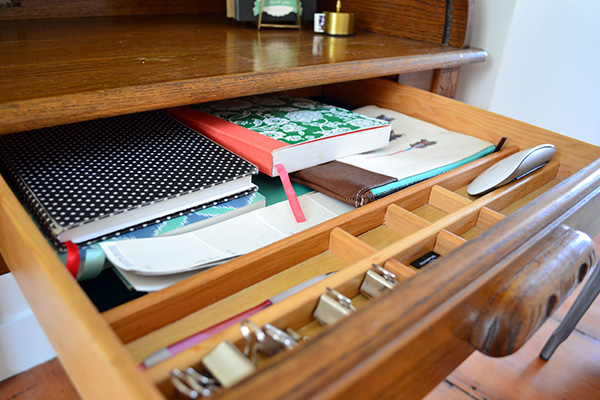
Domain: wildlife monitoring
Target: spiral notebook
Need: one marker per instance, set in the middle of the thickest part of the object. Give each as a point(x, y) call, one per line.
point(84, 180)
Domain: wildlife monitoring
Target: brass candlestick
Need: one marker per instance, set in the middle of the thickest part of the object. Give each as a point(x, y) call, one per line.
point(338, 23)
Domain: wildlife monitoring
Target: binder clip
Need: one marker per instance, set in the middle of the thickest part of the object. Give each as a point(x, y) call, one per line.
point(376, 281)
point(193, 385)
point(268, 342)
point(255, 338)
point(228, 364)
point(277, 340)
point(332, 306)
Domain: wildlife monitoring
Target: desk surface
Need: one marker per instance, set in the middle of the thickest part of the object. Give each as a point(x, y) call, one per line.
point(65, 70)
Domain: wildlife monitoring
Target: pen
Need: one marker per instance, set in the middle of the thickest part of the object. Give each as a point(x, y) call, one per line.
point(178, 347)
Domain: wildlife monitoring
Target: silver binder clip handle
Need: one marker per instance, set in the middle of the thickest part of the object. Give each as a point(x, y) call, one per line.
point(387, 275)
point(206, 382)
point(343, 300)
point(332, 306)
point(254, 336)
point(377, 281)
point(297, 337)
point(268, 341)
point(188, 386)
point(276, 340)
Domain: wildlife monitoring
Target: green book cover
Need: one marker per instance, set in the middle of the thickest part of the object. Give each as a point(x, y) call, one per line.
point(294, 132)
point(291, 120)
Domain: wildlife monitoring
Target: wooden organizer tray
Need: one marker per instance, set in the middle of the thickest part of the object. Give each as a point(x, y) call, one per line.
point(436, 214)
point(433, 215)
point(431, 320)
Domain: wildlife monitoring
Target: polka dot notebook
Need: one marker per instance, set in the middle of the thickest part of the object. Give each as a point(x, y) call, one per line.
point(84, 180)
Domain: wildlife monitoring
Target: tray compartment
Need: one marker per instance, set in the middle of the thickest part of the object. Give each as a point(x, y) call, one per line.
point(157, 310)
point(510, 209)
point(398, 223)
point(485, 219)
point(400, 237)
point(409, 237)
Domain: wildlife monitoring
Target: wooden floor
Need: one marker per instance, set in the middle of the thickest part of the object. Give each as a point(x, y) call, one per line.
point(573, 372)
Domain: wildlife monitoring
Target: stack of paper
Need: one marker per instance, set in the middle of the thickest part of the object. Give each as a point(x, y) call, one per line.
point(154, 263)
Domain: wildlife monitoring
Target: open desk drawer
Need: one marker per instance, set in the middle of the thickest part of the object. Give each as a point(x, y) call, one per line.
point(508, 258)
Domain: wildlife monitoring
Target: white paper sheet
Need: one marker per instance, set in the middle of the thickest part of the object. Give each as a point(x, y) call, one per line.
point(416, 148)
point(218, 243)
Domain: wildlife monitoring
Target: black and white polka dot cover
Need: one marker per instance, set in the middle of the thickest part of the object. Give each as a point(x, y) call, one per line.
point(84, 180)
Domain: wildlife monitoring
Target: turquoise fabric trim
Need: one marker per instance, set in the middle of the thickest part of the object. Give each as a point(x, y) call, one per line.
point(92, 264)
point(395, 186)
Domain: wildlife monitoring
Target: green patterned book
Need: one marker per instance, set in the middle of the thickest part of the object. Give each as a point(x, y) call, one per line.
point(278, 129)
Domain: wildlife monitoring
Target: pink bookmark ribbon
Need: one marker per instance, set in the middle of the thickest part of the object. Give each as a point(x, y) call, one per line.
point(290, 193)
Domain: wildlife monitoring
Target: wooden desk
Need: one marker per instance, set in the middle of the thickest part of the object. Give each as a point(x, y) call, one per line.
point(65, 70)
point(105, 60)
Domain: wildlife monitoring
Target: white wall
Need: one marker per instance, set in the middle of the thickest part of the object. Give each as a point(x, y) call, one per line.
point(543, 66)
point(23, 344)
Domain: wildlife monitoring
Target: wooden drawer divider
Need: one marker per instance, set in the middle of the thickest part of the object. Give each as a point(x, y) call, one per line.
point(463, 217)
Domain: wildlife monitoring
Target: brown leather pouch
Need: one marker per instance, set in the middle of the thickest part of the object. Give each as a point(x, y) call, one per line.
point(342, 181)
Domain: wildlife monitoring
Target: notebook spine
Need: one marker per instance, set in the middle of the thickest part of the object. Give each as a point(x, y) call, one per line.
point(26, 197)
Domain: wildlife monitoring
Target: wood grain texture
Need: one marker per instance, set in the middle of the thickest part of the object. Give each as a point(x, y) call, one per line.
point(46, 381)
point(572, 372)
point(401, 271)
point(139, 317)
point(347, 359)
point(78, 334)
point(41, 9)
point(403, 221)
point(445, 82)
point(63, 71)
point(513, 207)
point(488, 217)
point(427, 20)
point(3, 267)
point(381, 236)
point(447, 200)
point(552, 267)
point(348, 247)
point(447, 242)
